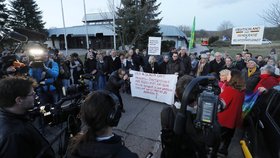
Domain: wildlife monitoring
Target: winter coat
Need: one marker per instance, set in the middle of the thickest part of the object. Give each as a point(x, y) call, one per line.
point(267, 81)
point(230, 117)
point(111, 148)
point(19, 138)
point(252, 81)
point(175, 66)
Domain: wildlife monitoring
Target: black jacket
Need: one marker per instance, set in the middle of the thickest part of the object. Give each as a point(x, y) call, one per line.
point(175, 66)
point(162, 68)
point(252, 81)
point(111, 148)
point(187, 63)
point(114, 64)
point(215, 67)
point(240, 65)
point(19, 138)
point(114, 83)
point(148, 68)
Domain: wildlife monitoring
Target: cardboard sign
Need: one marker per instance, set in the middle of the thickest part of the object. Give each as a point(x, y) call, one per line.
point(247, 35)
point(156, 87)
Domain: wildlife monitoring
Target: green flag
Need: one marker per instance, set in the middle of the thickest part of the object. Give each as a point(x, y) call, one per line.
point(192, 35)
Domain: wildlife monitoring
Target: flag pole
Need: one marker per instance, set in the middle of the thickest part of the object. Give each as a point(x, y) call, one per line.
point(192, 35)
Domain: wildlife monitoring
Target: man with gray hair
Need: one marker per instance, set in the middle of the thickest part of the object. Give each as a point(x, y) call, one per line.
point(184, 57)
point(217, 64)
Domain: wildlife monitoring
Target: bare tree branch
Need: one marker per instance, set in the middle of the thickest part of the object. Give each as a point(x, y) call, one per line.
point(272, 15)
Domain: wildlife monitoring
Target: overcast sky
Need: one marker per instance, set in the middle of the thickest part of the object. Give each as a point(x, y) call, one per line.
point(209, 13)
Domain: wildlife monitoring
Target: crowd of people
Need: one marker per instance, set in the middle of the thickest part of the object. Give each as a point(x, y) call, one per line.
point(108, 74)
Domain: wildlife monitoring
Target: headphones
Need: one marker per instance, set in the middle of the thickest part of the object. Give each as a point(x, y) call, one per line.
point(115, 114)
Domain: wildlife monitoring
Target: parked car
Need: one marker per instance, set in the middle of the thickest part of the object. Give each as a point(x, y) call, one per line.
point(262, 126)
point(266, 41)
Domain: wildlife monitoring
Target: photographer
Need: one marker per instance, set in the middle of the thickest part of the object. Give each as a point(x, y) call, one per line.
point(192, 142)
point(116, 80)
point(45, 71)
point(100, 112)
point(18, 137)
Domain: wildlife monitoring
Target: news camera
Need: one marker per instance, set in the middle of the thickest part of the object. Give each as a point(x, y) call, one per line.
point(67, 106)
point(205, 91)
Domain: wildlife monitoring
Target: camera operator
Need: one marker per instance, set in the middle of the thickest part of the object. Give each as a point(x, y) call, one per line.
point(18, 137)
point(100, 112)
point(115, 82)
point(45, 74)
point(193, 142)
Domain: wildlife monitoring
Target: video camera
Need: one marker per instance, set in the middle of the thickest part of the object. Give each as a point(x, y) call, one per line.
point(205, 91)
point(59, 112)
point(36, 52)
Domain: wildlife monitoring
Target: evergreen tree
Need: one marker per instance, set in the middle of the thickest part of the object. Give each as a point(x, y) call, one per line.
point(26, 14)
point(3, 13)
point(136, 21)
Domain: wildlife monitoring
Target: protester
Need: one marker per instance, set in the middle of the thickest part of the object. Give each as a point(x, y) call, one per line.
point(175, 66)
point(18, 137)
point(202, 67)
point(239, 62)
point(260, 60)
point(100, 113)
point(224, 78)
point(90, 68)
point(251, 75)
point(216, 65)
point(101, 71)
point(152, 66)
point(267, 79)
point(229, 63)
point(137, 59)
point(76, 68)
point(230, 118)
point(114, 62)
point(273, 63)
point(184, 57)
point(163, 65)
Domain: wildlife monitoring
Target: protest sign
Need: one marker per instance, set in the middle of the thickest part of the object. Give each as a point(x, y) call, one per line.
point(247, 35)
point(156, 87)
point(154, 45)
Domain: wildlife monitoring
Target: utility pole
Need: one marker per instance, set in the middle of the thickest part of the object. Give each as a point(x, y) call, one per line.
point(114, 25)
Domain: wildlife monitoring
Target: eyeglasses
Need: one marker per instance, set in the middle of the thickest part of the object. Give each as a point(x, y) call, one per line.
point(32, 94)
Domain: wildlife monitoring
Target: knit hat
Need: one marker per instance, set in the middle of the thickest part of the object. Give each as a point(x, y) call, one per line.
point(254, 60)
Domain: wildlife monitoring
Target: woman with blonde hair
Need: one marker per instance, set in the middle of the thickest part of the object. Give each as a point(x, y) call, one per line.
point(230, 118)
point(202, 68)
point(152, 66)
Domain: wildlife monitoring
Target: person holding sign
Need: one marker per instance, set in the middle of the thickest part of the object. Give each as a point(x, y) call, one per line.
point(175, 66)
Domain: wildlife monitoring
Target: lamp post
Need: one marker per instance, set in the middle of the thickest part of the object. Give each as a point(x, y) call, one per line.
point(65, 39)
point(114, 25)
point(86, 24)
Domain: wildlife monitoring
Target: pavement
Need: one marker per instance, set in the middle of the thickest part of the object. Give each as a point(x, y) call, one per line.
point(140, 127)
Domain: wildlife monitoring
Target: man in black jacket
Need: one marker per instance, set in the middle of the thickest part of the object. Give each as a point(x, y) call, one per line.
point(184, 57)
point(116, 80)
point(18, 137)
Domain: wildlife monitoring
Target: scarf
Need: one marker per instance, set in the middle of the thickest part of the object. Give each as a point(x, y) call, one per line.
point(252, 71)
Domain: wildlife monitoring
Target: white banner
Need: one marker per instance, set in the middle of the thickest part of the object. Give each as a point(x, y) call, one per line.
point(156, 87)
point(247, 35)
point(154, 45)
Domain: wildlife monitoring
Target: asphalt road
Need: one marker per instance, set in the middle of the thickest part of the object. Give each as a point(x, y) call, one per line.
point(140, 127)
